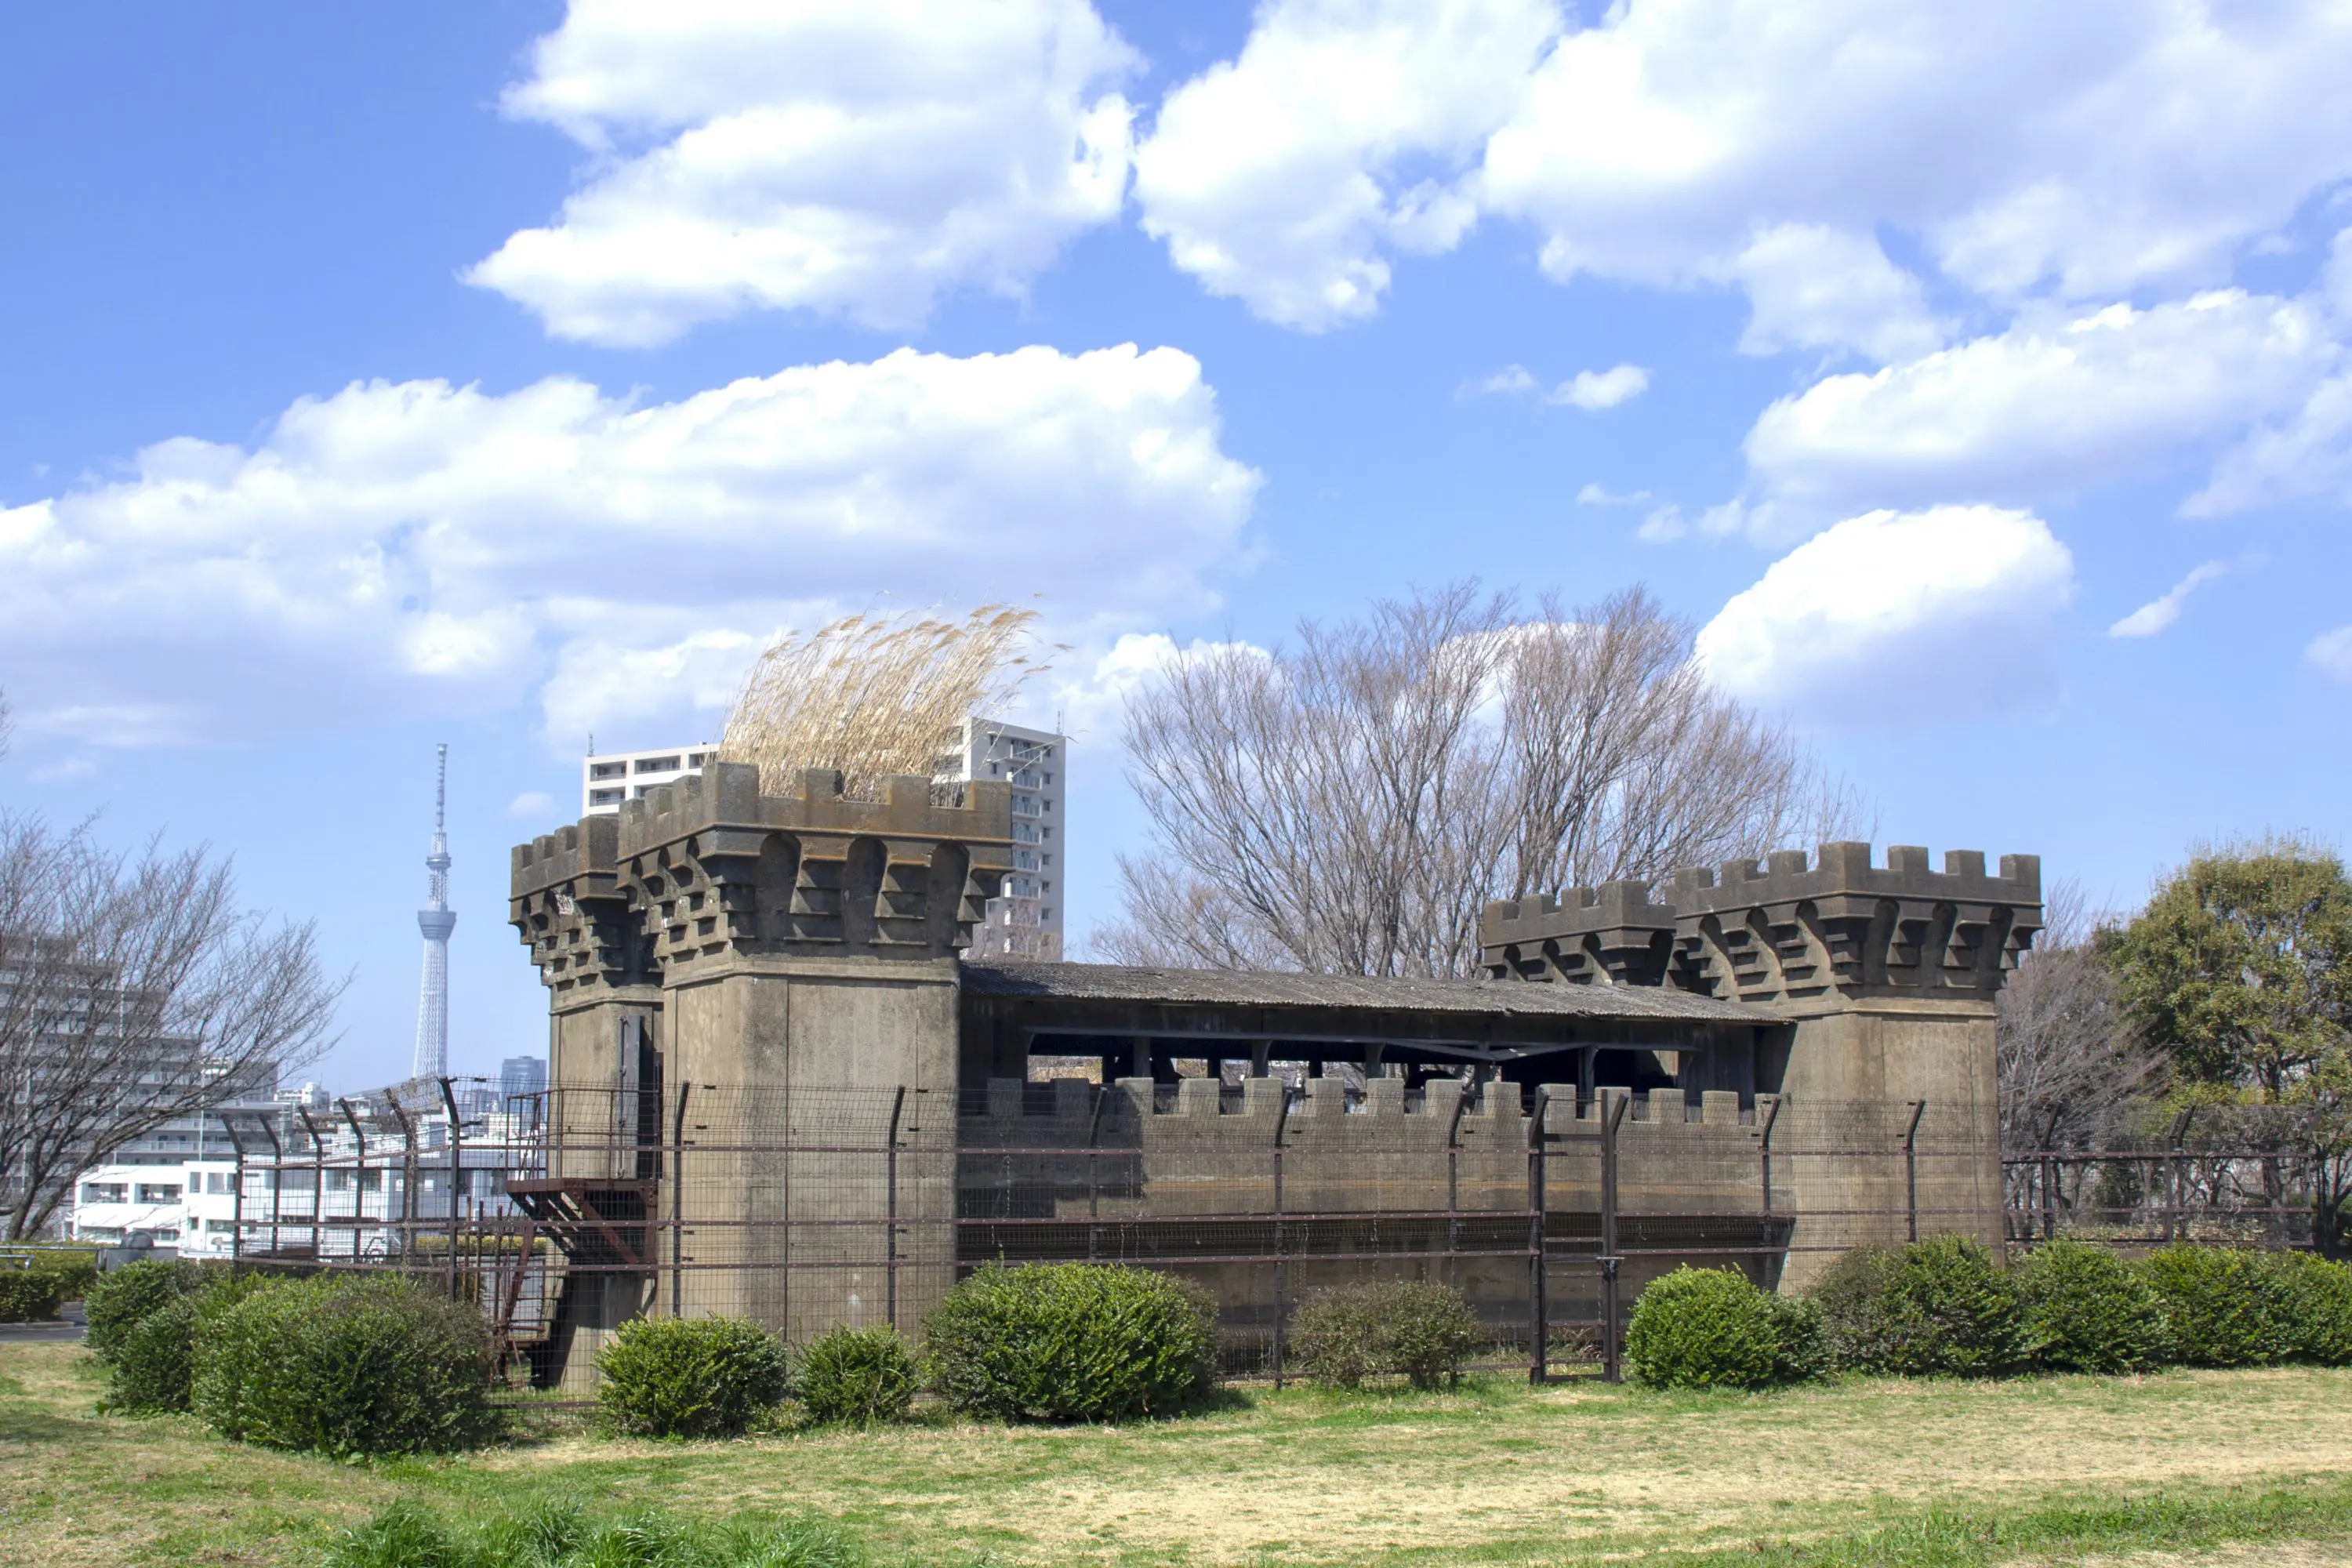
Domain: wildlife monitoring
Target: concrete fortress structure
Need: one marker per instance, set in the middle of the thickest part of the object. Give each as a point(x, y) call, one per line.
point(778, 1085)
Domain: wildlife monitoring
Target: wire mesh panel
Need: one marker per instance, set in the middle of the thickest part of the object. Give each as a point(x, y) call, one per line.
point(567, 1213)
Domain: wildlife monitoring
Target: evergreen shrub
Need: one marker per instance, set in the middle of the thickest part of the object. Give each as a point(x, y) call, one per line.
point(690, 1377)
point(153, 1369)
point(346, 1365)
point(30, 1295)
point(119, 1297)
point(2318, 1298)
point(1419, 1329)
point(1936, 1308)
point(2088, 1311)
point(1711, 1328)
point(2223, 1306)
point(1071, 1341)
point(858, 1377)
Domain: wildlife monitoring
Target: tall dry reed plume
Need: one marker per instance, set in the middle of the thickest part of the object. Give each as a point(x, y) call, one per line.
point(875, 695)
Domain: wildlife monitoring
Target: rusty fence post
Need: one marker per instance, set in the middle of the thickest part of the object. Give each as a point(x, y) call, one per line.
point(1612, 1339)
point(1538, 1285)
point(678, 1205)
point(890, 1208)
point(1281, 1121)
point(1911, 1171)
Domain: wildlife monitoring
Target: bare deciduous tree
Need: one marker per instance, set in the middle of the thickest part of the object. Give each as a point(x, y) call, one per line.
point(2072, 1073)
point(133, 992)
point(1350, 804)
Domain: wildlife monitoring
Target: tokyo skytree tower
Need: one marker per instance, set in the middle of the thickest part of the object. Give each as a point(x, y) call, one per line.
point(436, 920)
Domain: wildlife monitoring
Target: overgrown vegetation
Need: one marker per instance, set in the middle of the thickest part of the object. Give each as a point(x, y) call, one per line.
point(1418, 1329)
point(690, 1377)
point(1071, 1341)
point(120, 1299)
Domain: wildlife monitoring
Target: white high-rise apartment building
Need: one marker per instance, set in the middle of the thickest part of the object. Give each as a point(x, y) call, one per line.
point(1026, 920)
point(607, 780)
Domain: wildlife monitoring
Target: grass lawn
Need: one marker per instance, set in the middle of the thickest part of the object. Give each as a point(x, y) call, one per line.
point(2219, 1469)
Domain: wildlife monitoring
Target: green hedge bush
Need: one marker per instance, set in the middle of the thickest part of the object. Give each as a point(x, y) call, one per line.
point(1711, 1328)
point(2316, 1296)
point(154, 1364)
point(857, 1377)
point(119, 1297)
point(347, 1365)
point(2088, 1310)
point(2223, 1306)
point(30, 1296)
point(690, 1377)
point(1422, 1330)
point(1071, 1341)
point(1936, 1308)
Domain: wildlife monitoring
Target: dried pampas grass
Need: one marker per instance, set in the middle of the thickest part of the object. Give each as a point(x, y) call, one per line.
point(876, 695)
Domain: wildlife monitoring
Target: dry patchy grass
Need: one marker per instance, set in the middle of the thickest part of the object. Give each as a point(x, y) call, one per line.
point(1497, 1472)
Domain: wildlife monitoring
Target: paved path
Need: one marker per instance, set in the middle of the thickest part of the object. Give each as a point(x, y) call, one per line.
point(69, 1328)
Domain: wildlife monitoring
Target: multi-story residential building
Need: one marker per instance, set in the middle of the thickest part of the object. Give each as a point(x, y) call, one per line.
point(1027, 922)
point(609, 778)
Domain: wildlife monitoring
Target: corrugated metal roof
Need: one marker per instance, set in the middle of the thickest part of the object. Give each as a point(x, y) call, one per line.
point(1272, 988)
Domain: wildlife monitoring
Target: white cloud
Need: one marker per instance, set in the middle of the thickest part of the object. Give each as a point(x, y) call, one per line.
point(531, 805)
point(2160, 613)
point(2332, 652)
point(2308, 453)
point(1593, 390)
point(1594, 494)
point(855, 160)
point(1813, 287)
point(420, 546)
point(1508, 382)
point(2052, 403)
point(2093, 148)
point(2089, 149)
point(1892, 618)
point(1343, 131)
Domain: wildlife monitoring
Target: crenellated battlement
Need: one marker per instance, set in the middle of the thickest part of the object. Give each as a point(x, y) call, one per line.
point(1791, 928)
point(709, 865)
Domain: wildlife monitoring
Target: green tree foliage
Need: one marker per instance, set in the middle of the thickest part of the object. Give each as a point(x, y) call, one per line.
point(2237, 972)
point(1421, 1330)
point(1710, 1328)
point(690, 1377)
point(1071, 1341)
point(2318, 1298)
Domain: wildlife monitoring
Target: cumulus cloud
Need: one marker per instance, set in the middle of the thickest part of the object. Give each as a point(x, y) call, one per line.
point(2332, 652)
point(1595, 494)
point(1511, 381)
point(532, 806)
point(418, 545)
point(2054, 402)
point(2091, 151)
point(1814, 288)
point(2160, 613)
point(856, 159)
point(1593, 390)
point(1899, 617)
point(1342, 132)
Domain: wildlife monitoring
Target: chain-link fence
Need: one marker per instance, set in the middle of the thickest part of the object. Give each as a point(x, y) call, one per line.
point(568, 1213)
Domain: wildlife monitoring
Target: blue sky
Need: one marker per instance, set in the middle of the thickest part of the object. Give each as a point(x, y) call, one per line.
point(1975, 376)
